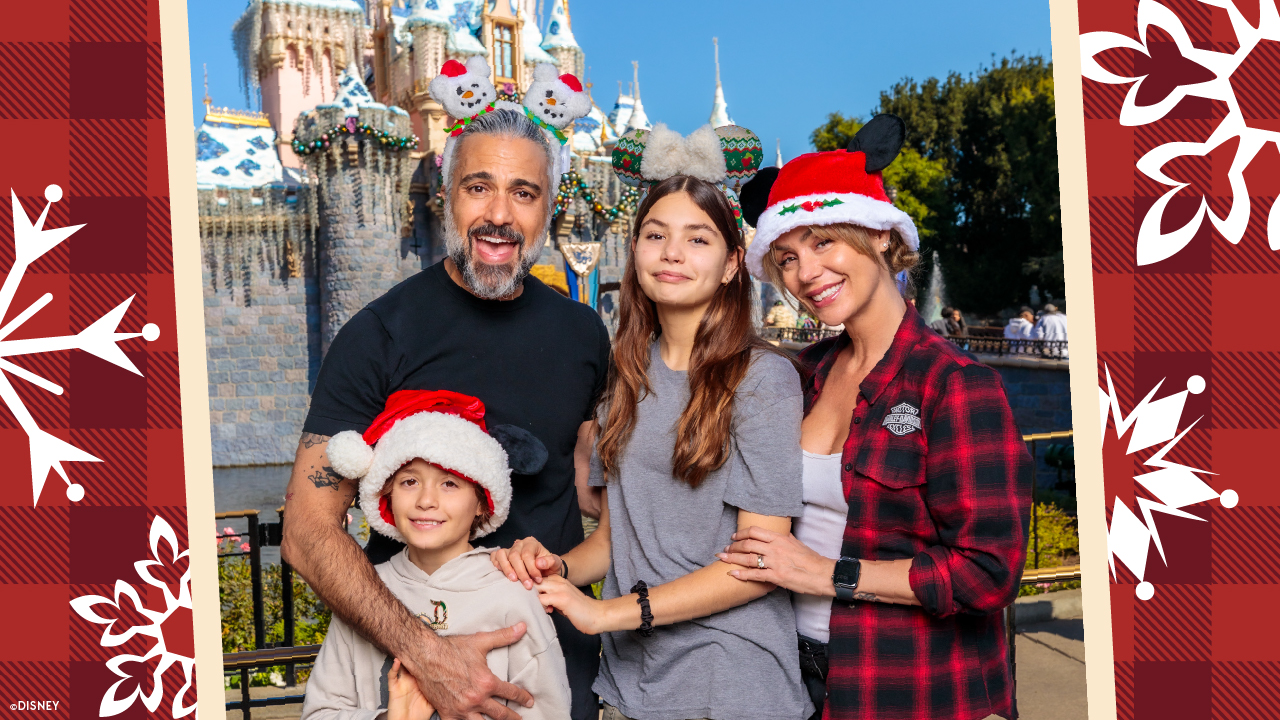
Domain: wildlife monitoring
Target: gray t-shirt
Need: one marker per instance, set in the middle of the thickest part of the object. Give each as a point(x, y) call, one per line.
point(740, 664)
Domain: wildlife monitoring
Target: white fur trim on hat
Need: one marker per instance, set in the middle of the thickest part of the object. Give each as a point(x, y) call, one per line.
point(445, 440)
point(854, 209)
point(667, 154)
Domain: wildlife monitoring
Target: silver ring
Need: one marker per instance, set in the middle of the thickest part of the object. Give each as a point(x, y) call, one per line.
point(760, 562)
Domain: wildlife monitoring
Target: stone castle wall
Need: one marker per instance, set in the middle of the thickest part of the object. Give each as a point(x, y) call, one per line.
point(266, 276)
point(1040, 397)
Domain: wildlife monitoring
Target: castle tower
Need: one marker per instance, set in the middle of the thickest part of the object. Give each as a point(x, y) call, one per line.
point(559, 41)
point(719, 109)
point(292, 52)
point(357, 153)
point(502, 32)
point(637, 120)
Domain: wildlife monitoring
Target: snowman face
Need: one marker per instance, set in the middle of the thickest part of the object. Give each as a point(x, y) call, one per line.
point(552, 103)
point(472, 94)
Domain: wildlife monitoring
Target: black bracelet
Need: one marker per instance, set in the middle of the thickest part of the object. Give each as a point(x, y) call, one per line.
point(564, 569)
point(646, 616)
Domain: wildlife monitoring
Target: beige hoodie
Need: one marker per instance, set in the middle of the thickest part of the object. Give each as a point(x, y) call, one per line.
point(469, 595)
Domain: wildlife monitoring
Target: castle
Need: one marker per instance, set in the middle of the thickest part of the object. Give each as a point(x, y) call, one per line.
point(329, 196)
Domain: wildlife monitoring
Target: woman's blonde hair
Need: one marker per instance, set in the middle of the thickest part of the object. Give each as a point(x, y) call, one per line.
point(899, 257)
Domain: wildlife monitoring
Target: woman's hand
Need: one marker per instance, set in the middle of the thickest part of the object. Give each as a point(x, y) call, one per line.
point(405, 700)
point(526, 562)
point(788, 562)
point(586, 613)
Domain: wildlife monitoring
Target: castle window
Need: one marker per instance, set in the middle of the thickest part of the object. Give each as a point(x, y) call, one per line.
point(504, 50)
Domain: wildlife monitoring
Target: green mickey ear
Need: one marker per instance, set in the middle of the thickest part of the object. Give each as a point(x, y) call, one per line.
point(743, 154)
point(628, 155)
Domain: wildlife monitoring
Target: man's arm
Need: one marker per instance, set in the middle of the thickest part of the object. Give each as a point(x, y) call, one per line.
point(452, 672)
point(588, 497)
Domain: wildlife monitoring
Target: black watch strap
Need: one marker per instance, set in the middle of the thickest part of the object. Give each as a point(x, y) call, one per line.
point(845, 578)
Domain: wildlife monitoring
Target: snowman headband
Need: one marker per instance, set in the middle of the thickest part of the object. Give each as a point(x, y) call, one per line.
point(552, 102)
point(727, 156)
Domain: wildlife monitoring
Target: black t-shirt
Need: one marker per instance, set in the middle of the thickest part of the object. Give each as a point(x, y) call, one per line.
point(538, 361)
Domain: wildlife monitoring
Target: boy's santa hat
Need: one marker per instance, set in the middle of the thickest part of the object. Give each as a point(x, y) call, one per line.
point(826, 188)
point(446, 429)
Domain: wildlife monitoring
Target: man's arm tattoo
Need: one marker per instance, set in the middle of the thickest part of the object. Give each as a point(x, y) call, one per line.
point(325, 477)
point(866, 596)
point(310, 440)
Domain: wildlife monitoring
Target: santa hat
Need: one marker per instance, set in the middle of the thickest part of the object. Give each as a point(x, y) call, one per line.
point(446, 429)
point(826, 188)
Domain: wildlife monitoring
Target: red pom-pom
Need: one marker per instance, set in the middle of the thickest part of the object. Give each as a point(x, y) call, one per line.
point(453, 68)
point(572, 81)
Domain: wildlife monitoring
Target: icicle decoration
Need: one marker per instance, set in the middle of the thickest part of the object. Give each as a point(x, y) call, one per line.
point(246, 39)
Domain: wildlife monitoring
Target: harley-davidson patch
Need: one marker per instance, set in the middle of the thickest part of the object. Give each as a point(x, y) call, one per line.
point(902, 419)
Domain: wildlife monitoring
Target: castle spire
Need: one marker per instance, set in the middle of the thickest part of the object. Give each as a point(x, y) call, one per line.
point(638, 120)
point(719, 109)
point(208, 101)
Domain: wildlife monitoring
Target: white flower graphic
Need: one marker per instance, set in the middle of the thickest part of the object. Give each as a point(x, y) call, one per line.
point(141, 676)
point(1174, 486)
point(1226, 77)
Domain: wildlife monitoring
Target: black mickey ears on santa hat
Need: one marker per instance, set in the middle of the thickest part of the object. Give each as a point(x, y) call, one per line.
point(880, 140)
point(526, 455)
point(754, 196)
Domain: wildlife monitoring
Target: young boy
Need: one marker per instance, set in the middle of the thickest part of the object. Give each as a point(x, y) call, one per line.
point(435, 479)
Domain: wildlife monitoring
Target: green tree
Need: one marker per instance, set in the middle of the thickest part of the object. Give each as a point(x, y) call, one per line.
point(979, 176)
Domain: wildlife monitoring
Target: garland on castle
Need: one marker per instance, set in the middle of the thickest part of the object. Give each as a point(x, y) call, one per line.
point(572, 183)
point(387, 139)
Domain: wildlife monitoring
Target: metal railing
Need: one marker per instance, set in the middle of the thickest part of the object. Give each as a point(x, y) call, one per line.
point(243, 662)
point(975, 342)
point(254, 535)
point(798, 335)
point(1032, 439)
point(1000, 346)
point(258, 536)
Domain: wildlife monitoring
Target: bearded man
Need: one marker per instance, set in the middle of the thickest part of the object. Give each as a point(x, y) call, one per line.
point(478, 324)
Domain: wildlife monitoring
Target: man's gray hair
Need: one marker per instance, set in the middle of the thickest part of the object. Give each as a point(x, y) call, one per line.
point(507, 123)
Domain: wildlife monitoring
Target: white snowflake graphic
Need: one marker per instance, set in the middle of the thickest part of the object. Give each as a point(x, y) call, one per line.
point(1244, 126)
point(1174, 486)
point(137, 671)
point(31, 241)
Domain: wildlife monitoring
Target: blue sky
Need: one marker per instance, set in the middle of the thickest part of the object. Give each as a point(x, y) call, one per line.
point(783, 70)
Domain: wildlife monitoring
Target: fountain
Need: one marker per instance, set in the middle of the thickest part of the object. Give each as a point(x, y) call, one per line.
point(935, 298)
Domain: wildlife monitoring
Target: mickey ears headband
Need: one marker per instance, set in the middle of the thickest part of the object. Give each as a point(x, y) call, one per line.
point(880, 140)
point(729, 155)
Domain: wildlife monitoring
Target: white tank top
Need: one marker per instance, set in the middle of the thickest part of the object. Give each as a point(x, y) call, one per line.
point(821, 527)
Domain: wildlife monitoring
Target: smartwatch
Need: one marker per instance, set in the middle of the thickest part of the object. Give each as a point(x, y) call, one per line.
point(845, 578)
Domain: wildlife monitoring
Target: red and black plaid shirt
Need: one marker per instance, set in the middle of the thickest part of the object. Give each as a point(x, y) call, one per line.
point(934, 470)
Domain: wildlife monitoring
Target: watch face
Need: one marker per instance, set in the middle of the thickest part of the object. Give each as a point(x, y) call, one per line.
point(846, 573)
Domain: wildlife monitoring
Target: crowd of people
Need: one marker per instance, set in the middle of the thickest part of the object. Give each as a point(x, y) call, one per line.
point(832, 536)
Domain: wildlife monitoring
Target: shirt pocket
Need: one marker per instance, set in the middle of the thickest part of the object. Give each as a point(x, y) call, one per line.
point(887, 499)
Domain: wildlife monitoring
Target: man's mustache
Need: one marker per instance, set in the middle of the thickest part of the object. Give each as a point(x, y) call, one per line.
point(502, 232)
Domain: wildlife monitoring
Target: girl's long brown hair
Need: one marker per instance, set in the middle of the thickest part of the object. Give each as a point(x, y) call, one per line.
point(722, 349)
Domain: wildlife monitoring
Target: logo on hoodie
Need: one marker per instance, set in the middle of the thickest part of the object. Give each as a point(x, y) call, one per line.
point(439, 618)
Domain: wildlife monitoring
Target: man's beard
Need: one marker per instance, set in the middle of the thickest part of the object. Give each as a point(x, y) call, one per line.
point(491, 282)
